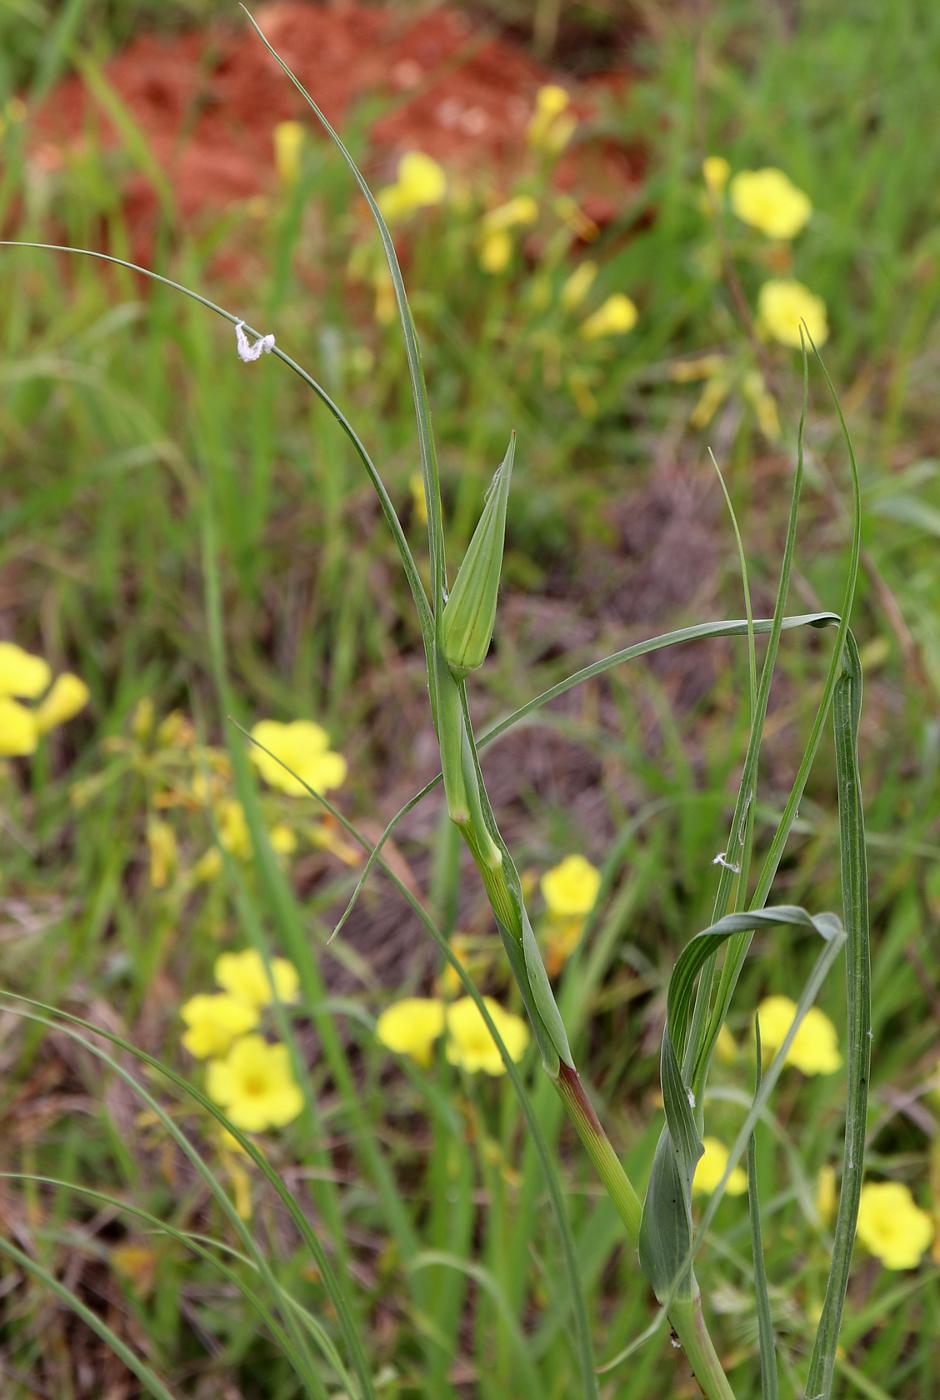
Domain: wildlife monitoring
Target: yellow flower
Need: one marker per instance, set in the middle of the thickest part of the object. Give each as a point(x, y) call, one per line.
point(763, 403)
point(892, 1226)
point(22, 674)
point(551, 125)
point(234, 835)
point(288, 144)
point(726, 1047)
point(782, 304)
point(214, 1022)
point(245, 976)
point(255, 1085)
point(420, 183)
point(161, 843)
point(18, 734)
point(615, 316)
point(208, 866)
point(570, 888)
point(711, 1168)
point(715, 173)
point(576, 287)
point(770, 202)
point(815, 1048)
point(826, 1197)
point(304, 747)
point(496, 245)
point(283, 839)
point(469, 1043)
point(517, 212)
point(68, 695)
point(411, 1026)
point(495, 252)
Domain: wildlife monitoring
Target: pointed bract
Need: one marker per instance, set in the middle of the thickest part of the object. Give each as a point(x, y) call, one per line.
point(470, 614)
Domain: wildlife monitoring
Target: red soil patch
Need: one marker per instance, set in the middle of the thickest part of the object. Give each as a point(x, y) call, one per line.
point(206, 102)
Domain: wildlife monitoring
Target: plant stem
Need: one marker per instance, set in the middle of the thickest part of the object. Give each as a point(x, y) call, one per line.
point(685, 1314)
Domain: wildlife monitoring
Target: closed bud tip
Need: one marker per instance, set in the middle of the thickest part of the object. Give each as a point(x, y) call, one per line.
point(470, 612)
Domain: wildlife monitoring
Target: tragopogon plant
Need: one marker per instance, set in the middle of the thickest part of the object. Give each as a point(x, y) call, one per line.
point(457, 623)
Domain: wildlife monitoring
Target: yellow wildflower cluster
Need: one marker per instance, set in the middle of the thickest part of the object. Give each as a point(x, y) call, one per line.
point(190, 795)
point(420, 183)
point(248, 1077)
point(27, 677)
point(815, 1048)
point(720, 376)
point(892, 1226)
point(552, 125)
point(767, 200)
point(411, 1027)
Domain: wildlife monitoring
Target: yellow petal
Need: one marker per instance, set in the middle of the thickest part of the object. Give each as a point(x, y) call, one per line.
point(69, 695)
point(21, 673)
point(18, 733)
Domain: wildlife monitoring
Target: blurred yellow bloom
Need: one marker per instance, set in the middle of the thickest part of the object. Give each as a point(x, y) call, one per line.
point(815, 1048)
point(726, 1047)
point(288, 145)
point(570, 888)
point(386, 307)
point(419, 502)
point(208, 866)
point(551, 125)
point(469, 1043)
point(234, 835)
point(214, 1022)
point(244, 976)
point(420, 183)
point(713, 395)
point(892, 1226)
point(764, 404)
point(518, 212)
point(161, 843)
point(26, 677)
point(770, 202)
point(142, 719)
point(711, 1168)
point(826, 1198)
point(562, 937)
point(305, 748)
point(715, 173)
point(18, 733)
point(576, 287)
point(782, 304)
point(411, 1026)
point(67, 696)
point(21, 673)
point(495, 244)
point(283, 839)
point(255, 1085)
point(615, 316)
point(690, 371)
point(495, 252)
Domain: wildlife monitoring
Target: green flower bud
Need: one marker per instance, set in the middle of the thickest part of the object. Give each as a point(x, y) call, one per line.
point(470, 613)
